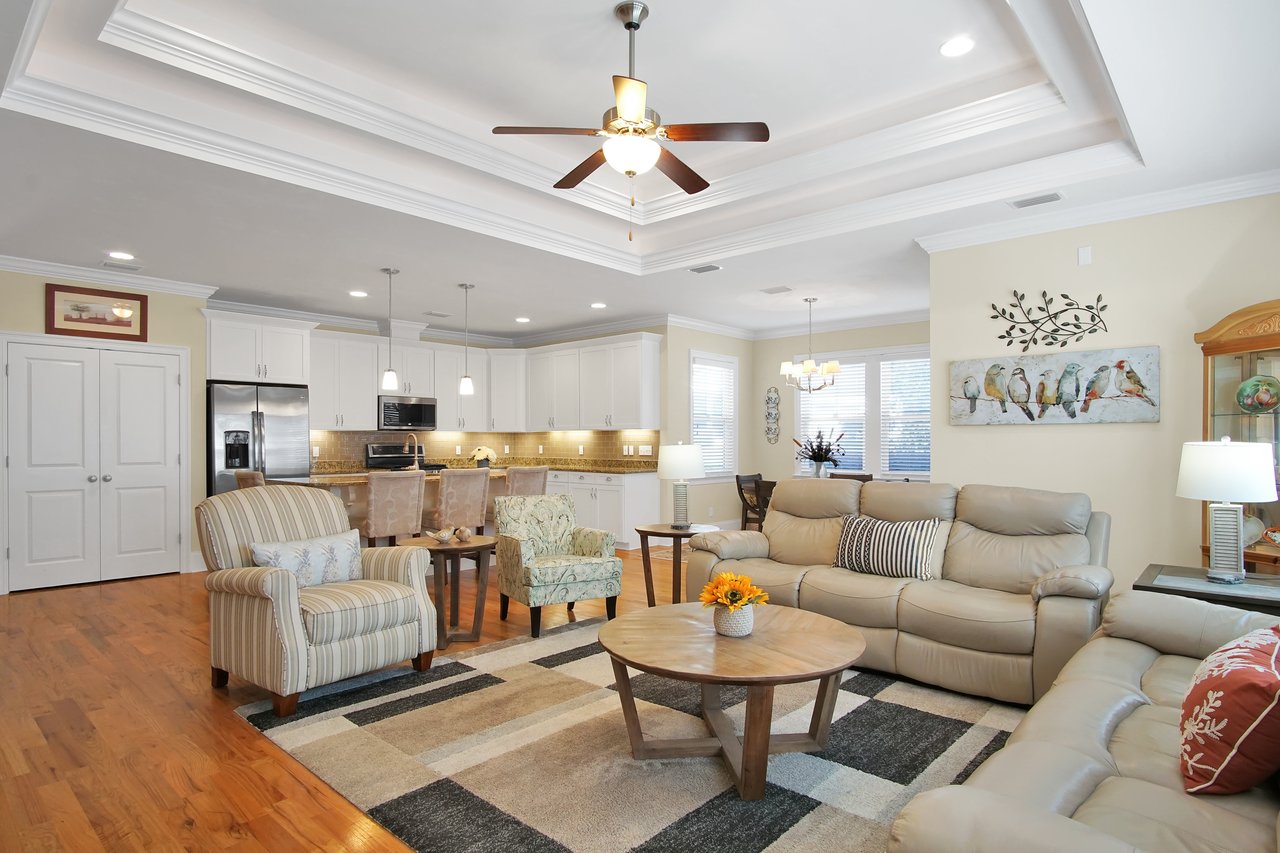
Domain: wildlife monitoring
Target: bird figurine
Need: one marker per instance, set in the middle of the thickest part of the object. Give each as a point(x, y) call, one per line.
point(1130, 383)
point(994, 384)
point(1046, 392)
point(1069, 388)
point(1020, 391)
point(970, 391)
point(1097, 385)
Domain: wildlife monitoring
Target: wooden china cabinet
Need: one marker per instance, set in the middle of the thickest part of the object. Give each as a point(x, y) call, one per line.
point(1241, 366)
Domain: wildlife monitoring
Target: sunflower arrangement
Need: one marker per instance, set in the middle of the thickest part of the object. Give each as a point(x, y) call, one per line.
point(732, 591)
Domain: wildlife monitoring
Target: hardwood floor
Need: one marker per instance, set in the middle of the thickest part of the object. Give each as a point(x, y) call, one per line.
point(112, 739)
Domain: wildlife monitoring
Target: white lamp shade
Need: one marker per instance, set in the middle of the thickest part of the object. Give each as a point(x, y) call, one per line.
point(680, 462)
point(1236, 471)
point(390, 381)
point(631, 153)
point(466, 387)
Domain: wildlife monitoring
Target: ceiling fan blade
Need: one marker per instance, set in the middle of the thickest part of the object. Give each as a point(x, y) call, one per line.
point(559, 131)
point(675, 169)
point(630, 94)
point(581, 171)
point(727, 131)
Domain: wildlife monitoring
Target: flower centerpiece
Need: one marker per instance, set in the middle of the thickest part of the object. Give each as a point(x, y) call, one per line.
point(821, 452)
point(483, 455)
point(733, 597)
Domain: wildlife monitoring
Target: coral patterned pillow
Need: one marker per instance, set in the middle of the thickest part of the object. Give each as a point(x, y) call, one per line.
point(1230, 718)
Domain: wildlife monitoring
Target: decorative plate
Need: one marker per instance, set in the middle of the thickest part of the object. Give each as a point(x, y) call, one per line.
point(771, 400)
point(1258, 394)
point(1272, 535)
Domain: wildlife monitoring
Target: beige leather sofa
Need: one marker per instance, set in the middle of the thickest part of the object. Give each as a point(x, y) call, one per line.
point(1094, 765)
point(1020, 588)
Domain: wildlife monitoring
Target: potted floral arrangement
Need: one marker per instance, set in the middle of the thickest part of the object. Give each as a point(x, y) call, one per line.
point(821, 452)
point(482, 456)
point(733, 597)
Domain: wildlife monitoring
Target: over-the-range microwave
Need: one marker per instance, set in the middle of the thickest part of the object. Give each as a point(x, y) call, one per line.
point(406, 413)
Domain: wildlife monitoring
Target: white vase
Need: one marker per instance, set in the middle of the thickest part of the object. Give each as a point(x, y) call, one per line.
point(820, 470)
point(737, 623)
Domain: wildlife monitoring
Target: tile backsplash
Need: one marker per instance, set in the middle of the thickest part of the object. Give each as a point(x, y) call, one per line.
point(344, 451)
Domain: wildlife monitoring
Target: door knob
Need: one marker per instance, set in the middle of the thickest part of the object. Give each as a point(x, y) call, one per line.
point(93, 478)
point(106, 478)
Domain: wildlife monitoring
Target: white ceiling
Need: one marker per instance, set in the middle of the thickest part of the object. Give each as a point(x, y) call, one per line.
point(283, 151)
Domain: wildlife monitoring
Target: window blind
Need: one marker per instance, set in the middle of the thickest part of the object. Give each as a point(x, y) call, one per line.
point(713, 396)
point(904, 415)
point(841, 408)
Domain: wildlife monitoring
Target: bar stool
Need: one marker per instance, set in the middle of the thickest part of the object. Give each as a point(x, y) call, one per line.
point(395, 505)
point(249, 479)
point(527, 481)
point(458, 499)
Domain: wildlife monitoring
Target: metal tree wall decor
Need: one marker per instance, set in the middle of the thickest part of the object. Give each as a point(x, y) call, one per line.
point(1049, 324)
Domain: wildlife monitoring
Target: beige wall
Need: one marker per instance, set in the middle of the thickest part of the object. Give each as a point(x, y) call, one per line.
point(173, 320)
point(777, 461)
point(1163, 278)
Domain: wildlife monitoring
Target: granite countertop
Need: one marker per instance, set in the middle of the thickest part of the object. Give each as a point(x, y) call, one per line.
point(351, 478)
point(595, 466)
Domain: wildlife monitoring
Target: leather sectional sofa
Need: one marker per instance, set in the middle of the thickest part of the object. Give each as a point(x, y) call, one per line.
point(1095, 764)
point(1019, 586)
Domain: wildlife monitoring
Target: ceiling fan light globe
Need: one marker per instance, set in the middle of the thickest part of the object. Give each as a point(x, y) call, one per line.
point(631, 154)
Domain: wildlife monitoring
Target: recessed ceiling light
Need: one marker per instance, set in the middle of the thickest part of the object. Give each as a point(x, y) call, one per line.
point(522, 319)
point(956, 46)
point(598, 305)
point(358, 294)
point(120, 256)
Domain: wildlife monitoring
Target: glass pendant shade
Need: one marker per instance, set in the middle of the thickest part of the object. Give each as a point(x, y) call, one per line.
point(466, 387)
point(390, 381)
point(631, 154)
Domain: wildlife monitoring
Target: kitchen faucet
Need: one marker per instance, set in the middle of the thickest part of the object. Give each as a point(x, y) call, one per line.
point(416, 447)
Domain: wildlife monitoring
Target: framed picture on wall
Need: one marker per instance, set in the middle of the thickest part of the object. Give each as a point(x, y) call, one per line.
point(88, 313)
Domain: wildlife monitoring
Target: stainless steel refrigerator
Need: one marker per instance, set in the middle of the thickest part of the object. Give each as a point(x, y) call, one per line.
point(257, 428)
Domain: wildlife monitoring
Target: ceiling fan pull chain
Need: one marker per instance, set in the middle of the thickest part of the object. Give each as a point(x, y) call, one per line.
point(631, 210)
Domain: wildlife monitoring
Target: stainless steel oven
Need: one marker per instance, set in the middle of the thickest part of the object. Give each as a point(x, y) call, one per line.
point(407, 413)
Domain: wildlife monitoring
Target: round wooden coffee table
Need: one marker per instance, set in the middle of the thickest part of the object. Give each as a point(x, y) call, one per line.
point(787, 645)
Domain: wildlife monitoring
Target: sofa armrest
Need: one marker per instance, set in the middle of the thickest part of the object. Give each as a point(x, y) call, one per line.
point(733, 544)
point(513, 553)
point(962, 817)
point(408, 565)
point(255, 627)
point(257, 581)
point(587, 542)
point(1075, 581)
point(1174, 625)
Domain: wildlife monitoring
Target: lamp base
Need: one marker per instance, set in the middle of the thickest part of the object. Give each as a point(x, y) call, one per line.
point(680, 504)
point(1226, 543)
point(1226, 577)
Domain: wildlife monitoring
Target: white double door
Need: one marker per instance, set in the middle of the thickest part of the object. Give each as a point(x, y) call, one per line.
point(94, 468)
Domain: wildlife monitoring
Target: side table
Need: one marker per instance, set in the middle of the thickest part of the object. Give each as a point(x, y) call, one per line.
point(666, 531)
point(447, 556)
point(1259, 593)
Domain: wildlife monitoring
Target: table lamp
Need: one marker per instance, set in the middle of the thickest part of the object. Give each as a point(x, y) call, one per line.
point(1222, 472)
point(680, 462)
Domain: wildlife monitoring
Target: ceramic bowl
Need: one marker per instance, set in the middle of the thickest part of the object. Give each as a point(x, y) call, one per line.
point(1258, 394)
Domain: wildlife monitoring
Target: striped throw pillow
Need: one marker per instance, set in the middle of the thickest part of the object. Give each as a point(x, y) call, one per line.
point(895, 549)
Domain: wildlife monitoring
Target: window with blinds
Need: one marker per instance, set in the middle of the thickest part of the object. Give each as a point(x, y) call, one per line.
point(880, 402)
point(713, 404)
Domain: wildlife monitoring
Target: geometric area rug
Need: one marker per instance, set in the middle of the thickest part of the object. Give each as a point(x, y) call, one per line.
point(521, 746)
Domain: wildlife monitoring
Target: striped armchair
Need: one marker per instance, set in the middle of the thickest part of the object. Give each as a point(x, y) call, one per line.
point(268, 631)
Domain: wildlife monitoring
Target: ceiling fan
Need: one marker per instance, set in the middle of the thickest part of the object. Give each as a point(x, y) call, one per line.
point(630, 129)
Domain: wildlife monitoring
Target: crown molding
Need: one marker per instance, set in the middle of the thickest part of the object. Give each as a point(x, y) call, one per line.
point(190, 51)
point(710, 327)
point(1057, 170)
point(845, 325)
point(355, 324)
point(594, 330)
point(27, 40)
point(58, 103)
point(1196, 195)
point(148, 284)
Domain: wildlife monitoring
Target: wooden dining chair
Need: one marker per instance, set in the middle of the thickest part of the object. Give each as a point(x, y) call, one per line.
point(395, 505)
point(748, 485)
point(249, 479)
point(850, 475)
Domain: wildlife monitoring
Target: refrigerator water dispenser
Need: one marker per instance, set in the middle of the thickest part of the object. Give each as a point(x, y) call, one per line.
point(236, 442)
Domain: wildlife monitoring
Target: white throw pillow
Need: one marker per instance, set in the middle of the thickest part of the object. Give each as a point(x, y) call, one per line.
point(896, 549)
point(326, 559)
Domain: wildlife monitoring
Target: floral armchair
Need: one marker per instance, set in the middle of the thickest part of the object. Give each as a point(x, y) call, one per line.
point(544, 558)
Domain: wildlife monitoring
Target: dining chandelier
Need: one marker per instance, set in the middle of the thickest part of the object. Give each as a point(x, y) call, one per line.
point(808, 375)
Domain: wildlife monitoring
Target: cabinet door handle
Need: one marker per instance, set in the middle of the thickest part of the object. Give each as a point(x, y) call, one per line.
point(93, 478)
point(106, 478)
point(264, 371)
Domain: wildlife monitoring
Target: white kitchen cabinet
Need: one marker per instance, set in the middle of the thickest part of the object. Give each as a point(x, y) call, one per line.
point(453, 410)
point(414, 365)
point(245, 348)
point(345, 376)
point(538, 391)
point(616, 381)
point(553, 390)
point(508, 382)
point(474, 409)
point(618, 503)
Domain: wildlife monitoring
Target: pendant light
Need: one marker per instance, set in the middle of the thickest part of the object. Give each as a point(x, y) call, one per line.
point(809, 376)
point(465, 386)
point(390, 381)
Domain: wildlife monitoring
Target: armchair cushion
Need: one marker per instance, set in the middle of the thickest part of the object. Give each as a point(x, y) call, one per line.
point(543, 571)
point(544, 521)
point(339, 611)
point(986, 620)
point(586, 542)
point(325, 559)
point(1075, 581)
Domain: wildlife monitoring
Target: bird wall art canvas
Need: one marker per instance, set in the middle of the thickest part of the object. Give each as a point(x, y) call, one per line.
point(1099, 386)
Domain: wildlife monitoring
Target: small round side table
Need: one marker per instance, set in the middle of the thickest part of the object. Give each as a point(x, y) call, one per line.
point(666, 531)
